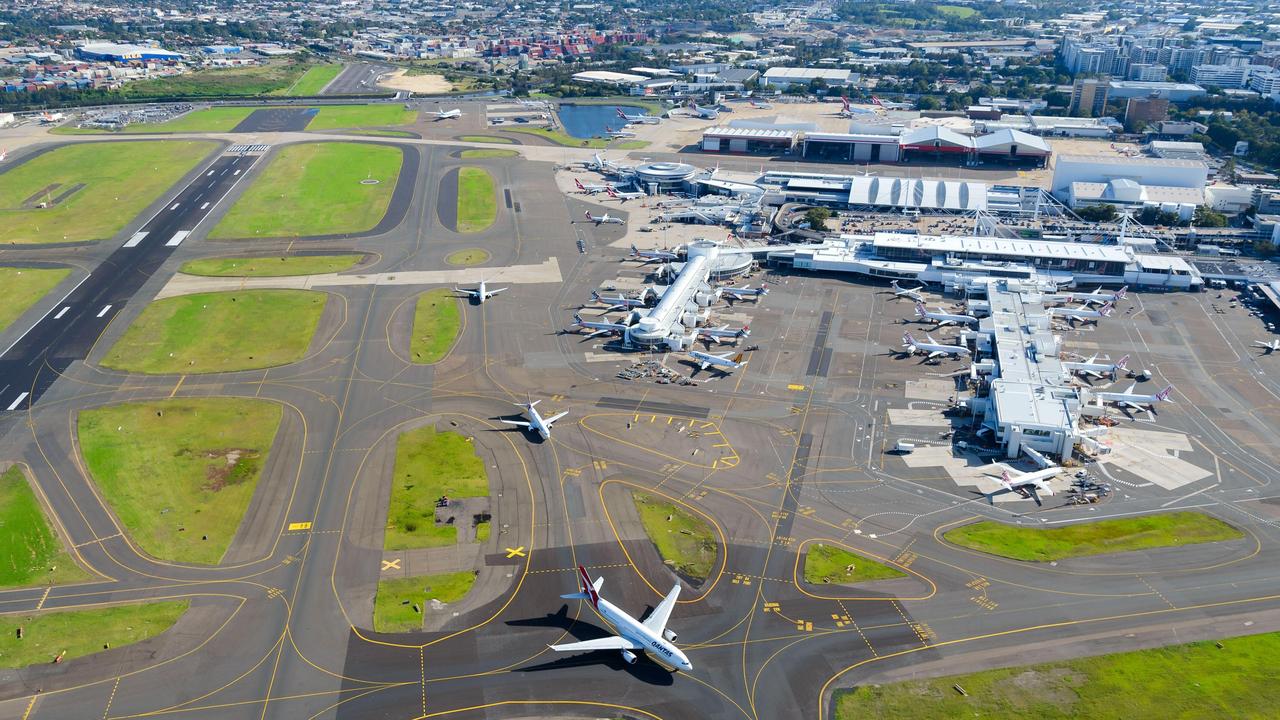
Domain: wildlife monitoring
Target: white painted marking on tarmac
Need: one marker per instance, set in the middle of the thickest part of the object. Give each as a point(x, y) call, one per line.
point(136, 239)
point(42, 317)
point(62, 312)
point(208, 173)
point(105, 309)
point(177, 238)
point(237, 172)
point(174, 206)
point(13, 405)
point(204, 206)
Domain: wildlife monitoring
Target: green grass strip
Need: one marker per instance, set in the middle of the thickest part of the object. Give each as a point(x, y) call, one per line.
point(428, 465)
point(1091, 538)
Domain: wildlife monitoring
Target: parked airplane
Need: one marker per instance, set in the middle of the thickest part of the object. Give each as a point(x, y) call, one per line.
point(1038, 480)
point(617, 134)
point(448, 114)
point(606, 219)
point(1268, 347)
point(932, 347)
point(623, 196)
point(590, 189)
point(847, 110)
point(50, 118)
point(641, 118)
point(722, 363)
point(943, 318)
point(761, 105)
point(481, 293)
point(536, 422)
point(4, 153)
point(909, 293)
point(706, 113)
point(600, 327)
point(649, 256)
point(891, 105)
point(723, 334)
point(746, 291)
point(619, 302)
point(1129, 399)
point(651, 636)
point(1097, 296)
point(608, 167)
point(1084, 312)
point(1096, 369)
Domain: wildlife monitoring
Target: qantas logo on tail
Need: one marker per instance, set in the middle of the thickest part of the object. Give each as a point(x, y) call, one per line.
point(587, 588)
point(579, 184)
point(844, 102)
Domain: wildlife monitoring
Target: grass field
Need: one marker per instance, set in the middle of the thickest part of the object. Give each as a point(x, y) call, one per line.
point(316, 189)
point(477, 201)
point(179, 473)
point(956, 11)
point(1093, 538)
point(219, 332)
point(436, 323)
point(430, 464)
point(336, 117)
point(78, 633)
point(487, 139)
point(314, 80)
point(271, 266)
point(1197, 680)
point(560, 138)
point(480, 153)
point(470, 256)
point(216, 119)
point(30, 552)
point(272, 78)
point(684, 540)
point(827, 564)
point(120, 180)
point(394, 606)
point(20, 288)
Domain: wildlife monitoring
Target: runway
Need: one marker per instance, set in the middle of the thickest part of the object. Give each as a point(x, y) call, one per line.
point(357, 78)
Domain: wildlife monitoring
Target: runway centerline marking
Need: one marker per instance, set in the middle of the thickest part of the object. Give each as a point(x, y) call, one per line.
point(105, 309)
point(62, 312)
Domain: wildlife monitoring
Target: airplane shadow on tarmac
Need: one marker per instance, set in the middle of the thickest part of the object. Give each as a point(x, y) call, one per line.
point(644, 669)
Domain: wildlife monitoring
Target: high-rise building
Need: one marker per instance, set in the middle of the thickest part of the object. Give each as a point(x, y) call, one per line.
point(1139, 112)
point(1089, 97)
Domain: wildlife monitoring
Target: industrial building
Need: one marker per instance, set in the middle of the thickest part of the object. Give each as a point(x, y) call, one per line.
point(1128, 195)
point(113, 52)
point(767, 141)
point(1171, 91)
point(1157, 172)
point(851, 147)
point(785, 76)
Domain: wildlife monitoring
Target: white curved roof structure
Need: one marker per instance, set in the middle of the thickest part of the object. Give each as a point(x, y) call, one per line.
point(918, 194)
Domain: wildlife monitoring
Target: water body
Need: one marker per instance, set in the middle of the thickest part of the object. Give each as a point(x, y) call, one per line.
point(588, 121)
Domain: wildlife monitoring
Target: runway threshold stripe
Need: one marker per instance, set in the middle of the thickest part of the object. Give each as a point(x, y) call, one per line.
point(177, 238)
point(174, 206)
point(105, 309)
point(62, 312)
point(136, 239)
point(209, 173)
point(13, 405)
point(42, 317)
point(204, 206)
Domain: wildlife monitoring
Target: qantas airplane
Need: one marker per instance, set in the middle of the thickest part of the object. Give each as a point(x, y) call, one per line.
point(1129, 399)
point(891, 105)
point(448, 114)
point(1097, 296)
point(723, 334)
point(722, 363)
point(641, 118)
point(933, 348)
point(943, 318)
point(606, 219)
point(847, 110)
point(651, 636)
point(1096, 369)
point(706, 113)
point(623, 196)
point(481, 293)
point(908, 293)
point(590, 189)
point(537, 423)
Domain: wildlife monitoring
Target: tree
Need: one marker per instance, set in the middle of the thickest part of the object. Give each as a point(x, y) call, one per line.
point(1208, 217)
point(1264, 248)
point(817, 218)
point(928, 102)
point(1097, 213)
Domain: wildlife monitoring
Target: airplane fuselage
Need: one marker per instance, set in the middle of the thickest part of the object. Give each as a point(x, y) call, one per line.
point(657, 647)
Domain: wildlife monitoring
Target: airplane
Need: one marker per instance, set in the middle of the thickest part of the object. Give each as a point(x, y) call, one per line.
point(723, 334)
point(909, 293)
point(537, 423)
point(649, 256)
point(608, 167)
point(620, 302)
point(1129, 399)
point(481, 293)
point(623, 196)
point(1098, 296)
point(1268, 347)
point(641, 118)
point(722, 363)
point(1096, 369)
point(651, 636)
point(618, 134)
point(746, 291)
point(760, 105)
point(4, 153)
point(932, 347)
point(847, 110)
point(890, 105)
point(706, 113)
point(50, 118)
point(606, 219)
point(600, 327)
point(1083, 312)
point(943, 318)
point(447, 114)
point(1038, 480)
point(590, 189)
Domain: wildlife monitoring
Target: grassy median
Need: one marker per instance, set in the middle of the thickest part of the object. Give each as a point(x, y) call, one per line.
point(468, 257)
point(314, 80)
point(683, 539)
point(430, 464)
point(436, 323)
point(272, 266)
point(90, 190)
point(399, 603)
point(1198, 680)
point(216, 119)
point(316, 189)
point(179, 473)
point(20, 288)
point(1092, 538)
point(219, 332)
point(482, 153)
point(76, 633)
point(487, 139)
point(338, 117)
point(825, 564)
point(30, 552)
point(477, 200)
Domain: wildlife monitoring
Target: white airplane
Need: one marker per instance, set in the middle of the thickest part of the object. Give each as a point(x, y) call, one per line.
point(49, 118)
point(537, 423)
point(847, 110)
point(909, 293)
point(1131, 400)
point(642, 118)
point(761, 105)
point(722, 363)
point(706, 113)
point(723, 334)
point(4, 153)
point(935, 349)
point(1083, 312)
point(590, 189)
point(617, 134)
point(1097, 296)
point(649, 256)
point(1096, 369)
point(599, 327)
point(619, 302)
point(1038, 480)
point(746, 291)
point(1268, 347)
point(891, 105)
point(651, 636)
point(448, 114)
point(481, 293)
point(623, 196)
point(606, 219)
point(943, 318)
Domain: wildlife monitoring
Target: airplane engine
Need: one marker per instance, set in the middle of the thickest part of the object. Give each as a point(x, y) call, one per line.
point(629, 656)
point(669, 635)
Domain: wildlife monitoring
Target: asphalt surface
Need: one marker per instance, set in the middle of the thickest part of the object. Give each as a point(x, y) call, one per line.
point(786, 453)
point(276, 120)
point(356, 79)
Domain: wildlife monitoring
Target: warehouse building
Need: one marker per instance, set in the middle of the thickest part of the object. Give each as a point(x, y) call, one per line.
point(786, 76)
point(851, 147)
point(113, 52)
point(1154, 172)
point(748, 140)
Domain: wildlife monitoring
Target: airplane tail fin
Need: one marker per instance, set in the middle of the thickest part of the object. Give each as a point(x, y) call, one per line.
point(1163, 395)
point(1121, 293)
point(844, 102)
point(738, 359)
point(1005, 480)
point(920, 310)
point(587, 214)
point(907, 339)
point(1105, 310)
point(590, 590)
point(1121, 363)
point(577, 318)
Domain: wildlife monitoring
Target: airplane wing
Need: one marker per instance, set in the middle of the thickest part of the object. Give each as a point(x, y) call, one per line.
point(657, 620)
point(598, 333)
point(704, 365)
point(616, 642)
point(935, 354)
point(521, 423)
point(553, 418)
point(495, 292)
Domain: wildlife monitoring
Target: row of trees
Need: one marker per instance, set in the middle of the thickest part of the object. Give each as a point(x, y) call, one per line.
point(1204, 216)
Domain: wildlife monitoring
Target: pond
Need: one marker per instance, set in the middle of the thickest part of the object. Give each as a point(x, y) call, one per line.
point(589, 121)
